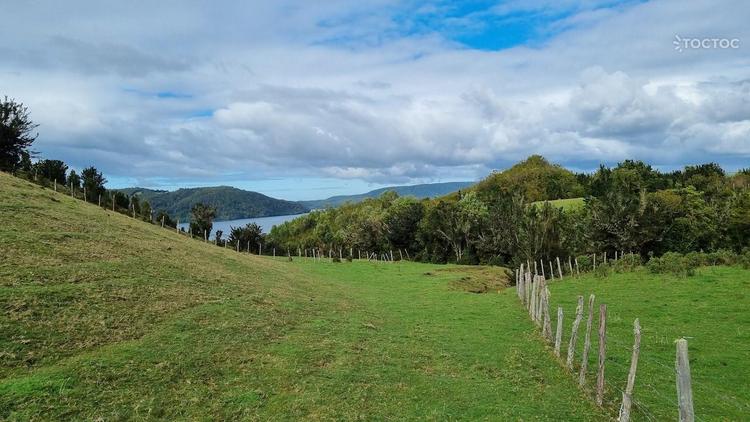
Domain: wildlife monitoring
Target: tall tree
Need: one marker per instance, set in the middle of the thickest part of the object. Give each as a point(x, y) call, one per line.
point(93, 181)
point(51, 170)
point(74, 180)
point(16, 134)
point(202, 220)
point(251, 234)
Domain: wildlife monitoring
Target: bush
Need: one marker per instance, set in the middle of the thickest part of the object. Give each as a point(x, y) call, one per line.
point(585, 263)
point(626, 263)
point(603, 270)
point(744, 258)
point(722, 257)
point(674, 263)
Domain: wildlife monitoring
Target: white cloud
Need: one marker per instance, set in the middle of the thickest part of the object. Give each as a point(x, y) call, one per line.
point(337, 89)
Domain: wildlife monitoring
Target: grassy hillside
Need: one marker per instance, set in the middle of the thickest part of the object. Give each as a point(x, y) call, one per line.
point(535, 178)
point(569, 204)
point(429, 190)
point(231, 203)
point(709, 309)
point(107, 317)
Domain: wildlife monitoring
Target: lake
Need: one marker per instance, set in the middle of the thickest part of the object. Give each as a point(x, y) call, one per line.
point(264, 222)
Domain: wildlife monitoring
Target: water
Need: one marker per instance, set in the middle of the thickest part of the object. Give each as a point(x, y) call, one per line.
point(265, 223)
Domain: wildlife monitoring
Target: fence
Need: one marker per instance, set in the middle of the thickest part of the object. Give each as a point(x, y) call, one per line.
point(533, 293)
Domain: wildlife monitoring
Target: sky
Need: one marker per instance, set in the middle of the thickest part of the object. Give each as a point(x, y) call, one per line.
point(303, 100)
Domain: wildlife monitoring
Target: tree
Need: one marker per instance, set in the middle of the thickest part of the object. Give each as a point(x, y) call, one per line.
point(146, 211)
point(94, 182)
point(402, 219)
point(163, 216)
point(122, 200)
point(16, 135)
point(202, 219)
point(51, 170)
point(74, 181)
point(251, 234)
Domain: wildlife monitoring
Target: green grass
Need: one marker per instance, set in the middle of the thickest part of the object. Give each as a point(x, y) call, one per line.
point(107, 317)
point(569, 204)
point(710, 309)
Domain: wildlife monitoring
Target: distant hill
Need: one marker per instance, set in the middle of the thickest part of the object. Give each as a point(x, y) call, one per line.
point(428, 190)
point(231, 203)
point(535, 178)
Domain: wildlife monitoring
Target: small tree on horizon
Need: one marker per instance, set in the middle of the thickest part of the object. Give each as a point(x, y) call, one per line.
point(202, 219)
point(16, 135)
point(51, 170)
point(74, 180)
point(93, 181)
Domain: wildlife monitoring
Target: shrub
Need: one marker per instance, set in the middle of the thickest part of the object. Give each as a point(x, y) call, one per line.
point(626, 263)
point(603, 270)
point(585, 263)
point(674, 263)
point(722, 257)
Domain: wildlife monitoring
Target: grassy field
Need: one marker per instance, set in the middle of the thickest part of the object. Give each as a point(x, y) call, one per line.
point(107, 317)
point(710, 309)
point(566, 204)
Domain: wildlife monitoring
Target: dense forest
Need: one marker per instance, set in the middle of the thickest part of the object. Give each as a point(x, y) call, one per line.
point(230, 203)
point(513, 216)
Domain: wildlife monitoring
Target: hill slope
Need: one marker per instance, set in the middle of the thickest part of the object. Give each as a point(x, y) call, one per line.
point(106, 317)
point(429, 190)
point(231, 203)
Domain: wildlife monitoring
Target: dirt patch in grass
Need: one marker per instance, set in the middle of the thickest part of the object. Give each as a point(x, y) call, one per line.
point(478, 279)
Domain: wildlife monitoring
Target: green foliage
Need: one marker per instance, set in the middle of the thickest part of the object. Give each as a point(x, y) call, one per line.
point(163, 216)
point(201, 221)
point(230, 203)
point(51, 170)
point(674, 263)
point(74, 180)
point(93, 181)
point(16, 135)
point(250, 236)
point(535, 179)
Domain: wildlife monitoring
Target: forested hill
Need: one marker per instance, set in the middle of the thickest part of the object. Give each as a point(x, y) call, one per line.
point(428, 190)
point(231, 203)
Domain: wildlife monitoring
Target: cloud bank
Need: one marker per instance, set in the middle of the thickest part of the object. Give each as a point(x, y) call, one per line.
point(386, 92)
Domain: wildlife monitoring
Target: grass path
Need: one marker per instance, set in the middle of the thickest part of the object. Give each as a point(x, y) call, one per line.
point(107, 317)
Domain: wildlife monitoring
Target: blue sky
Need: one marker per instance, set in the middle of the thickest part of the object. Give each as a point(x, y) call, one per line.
point(304, 100)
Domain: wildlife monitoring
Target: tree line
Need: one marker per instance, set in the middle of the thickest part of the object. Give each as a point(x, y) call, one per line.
point(513, 216)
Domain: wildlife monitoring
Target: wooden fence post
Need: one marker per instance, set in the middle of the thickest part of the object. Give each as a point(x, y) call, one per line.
point(527, 286)
point(602, 354)
point(541, 264)
point(539, 298)
point(578, 271)
point(627, 395)
point(559, 268)
point(574, 333)
point(551, 271)
point(570, 265)
point(558, 334)
point(547, 324)
point(684, 387)
point(586, 343)
point(532, 308)
point(595, 261)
